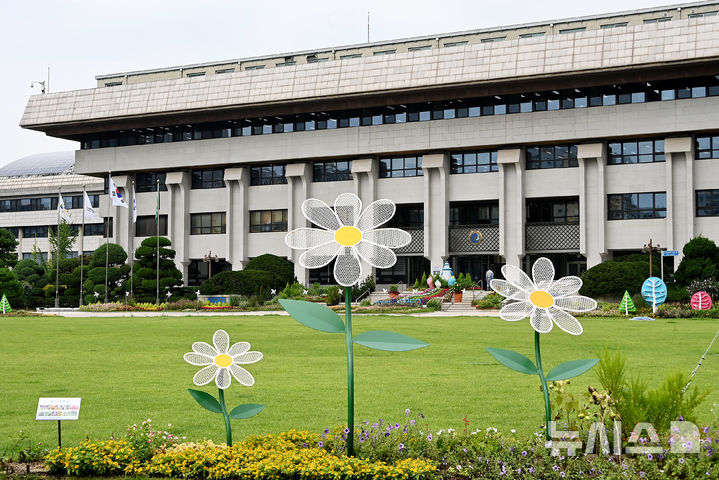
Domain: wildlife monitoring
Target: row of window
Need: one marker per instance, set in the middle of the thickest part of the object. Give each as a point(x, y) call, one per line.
point(45, 203)
point(417, 112)
point(42, 231)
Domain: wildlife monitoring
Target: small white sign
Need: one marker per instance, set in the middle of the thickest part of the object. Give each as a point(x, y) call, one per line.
point(58, 409)
point(670, 253)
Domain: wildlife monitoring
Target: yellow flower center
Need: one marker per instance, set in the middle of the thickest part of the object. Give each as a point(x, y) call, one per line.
point(348, 236)
point(223, 360)
point(541, 299)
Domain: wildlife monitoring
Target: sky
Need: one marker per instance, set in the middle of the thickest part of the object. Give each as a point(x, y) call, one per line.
point(78, 39)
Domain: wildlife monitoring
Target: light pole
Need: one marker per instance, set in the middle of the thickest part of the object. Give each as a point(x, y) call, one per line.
point(209, 259)
point(649, 247)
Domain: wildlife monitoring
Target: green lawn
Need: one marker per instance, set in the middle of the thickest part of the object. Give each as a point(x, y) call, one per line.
point(130, 369)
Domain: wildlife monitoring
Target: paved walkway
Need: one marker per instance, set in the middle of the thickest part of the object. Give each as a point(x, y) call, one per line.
point(66, 312)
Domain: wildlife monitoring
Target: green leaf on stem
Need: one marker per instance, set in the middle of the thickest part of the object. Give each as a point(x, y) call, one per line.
point(206, 400)
point(314, 315)
point(388, 341)
point(246, 411)
point(515, 361)
point(571, 369)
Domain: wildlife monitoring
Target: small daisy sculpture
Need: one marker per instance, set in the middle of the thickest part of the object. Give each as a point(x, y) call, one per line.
point(546, 303)
point(221, 362)
point(347, 234)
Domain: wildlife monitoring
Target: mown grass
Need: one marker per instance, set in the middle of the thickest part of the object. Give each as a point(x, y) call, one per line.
point(130, 369)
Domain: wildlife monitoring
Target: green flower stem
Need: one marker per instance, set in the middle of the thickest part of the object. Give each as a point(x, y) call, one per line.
point(228, 427)
point(545, 390)
point(350, 372)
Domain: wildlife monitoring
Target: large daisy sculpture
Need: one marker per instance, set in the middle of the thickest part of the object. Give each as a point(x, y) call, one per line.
point(221, 362)
point(347, 235)
point(546, 303)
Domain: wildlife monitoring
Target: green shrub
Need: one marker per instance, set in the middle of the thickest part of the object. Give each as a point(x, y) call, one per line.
point(366, 303)
point(434, 304)
point(491, 301)
point(281, 267)
point(677, 293)
point(242, 282)
point(333, 296)
point(613, 277)
point(701, 261)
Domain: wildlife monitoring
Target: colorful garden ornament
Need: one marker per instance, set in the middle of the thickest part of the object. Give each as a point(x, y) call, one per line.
point(654, 292)
point(221, 362)
point(546, 303)
point(700, 301)
point(626, 304)
point(347, 234)
point(6, 308)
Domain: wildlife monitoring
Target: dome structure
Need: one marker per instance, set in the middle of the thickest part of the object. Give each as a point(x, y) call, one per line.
point(53, 163)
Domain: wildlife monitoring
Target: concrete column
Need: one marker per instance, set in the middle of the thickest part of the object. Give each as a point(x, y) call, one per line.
point(122, 224)
point(238, 217)
point(436, 208)
point(592, 202)
point(680, 193)
point(512, 206)
point(178, 220)
point(365, 172)
point(299, 176)
point(20, 237)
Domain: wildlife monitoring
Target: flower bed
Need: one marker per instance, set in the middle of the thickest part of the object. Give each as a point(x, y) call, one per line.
point(413, 300)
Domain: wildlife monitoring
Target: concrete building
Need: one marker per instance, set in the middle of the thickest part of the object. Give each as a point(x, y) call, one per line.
point(579, 144)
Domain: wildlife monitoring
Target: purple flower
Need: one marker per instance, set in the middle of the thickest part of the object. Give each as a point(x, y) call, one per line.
point(304, 444)
point(524, 453)
point(320, 444)
point(375, 425)
point(642, 474)
point(347, 431)
point(412, 422)
point(531, 469)
point(562, 474)
point(406, 413)
point(681, 460)
point(327, 430)
point(396, 425)
point(429, 437)
point(421, 416)
point(555, 468)
point(650, 456)
point(401, 447)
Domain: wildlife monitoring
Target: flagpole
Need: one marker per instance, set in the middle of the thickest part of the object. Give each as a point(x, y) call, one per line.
point(157, 213)
point(107, 234)
point(82, 241)
point(57, 252)
point(132, 238)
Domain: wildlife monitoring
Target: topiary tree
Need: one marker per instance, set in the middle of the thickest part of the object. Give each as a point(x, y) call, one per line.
point(700, 262)
point(32, 277)
point(8, 244)
point(242, 282)
point(272, 263)
point(69, 287)
point(612, 278)
point(10, 286)
point(117, 274)
point(144, 276)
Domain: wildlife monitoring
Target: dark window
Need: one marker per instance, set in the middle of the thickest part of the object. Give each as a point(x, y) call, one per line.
point(400, 167)
point(636, 151)
point(35, 231)
point(407, 216)
point(14, 230)
point(107, 230)
point(332, 171)
point(268, 174)
point(208, 178)
point(147, 182)
point(146, 226)
point(552, 156)
point(473, 213)
point(474, 162)
point(707, 147)
point(198, 271)
point(268, 221)
point(553, 210)
point(707, 203)
point(628, 206)
point(94, 229)
point(207, 223)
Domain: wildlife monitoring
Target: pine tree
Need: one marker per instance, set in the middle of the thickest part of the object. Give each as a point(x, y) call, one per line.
point(627, 305)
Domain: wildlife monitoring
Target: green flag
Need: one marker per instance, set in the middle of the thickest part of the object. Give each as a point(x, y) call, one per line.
point(627, 305)
point(6, 308)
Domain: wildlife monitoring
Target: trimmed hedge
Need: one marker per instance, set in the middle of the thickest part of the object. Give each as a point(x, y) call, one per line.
point(273, 264)
point(242, 282)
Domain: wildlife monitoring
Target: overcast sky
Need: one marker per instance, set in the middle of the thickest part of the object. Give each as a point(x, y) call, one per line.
point(79, 39)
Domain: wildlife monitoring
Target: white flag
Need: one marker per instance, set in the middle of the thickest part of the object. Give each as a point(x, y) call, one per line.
point(87, 207)
point(115, 194)
point(61, 210)
point(134, 205)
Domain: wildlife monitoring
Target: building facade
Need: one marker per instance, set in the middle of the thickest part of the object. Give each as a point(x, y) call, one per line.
point(578, 144)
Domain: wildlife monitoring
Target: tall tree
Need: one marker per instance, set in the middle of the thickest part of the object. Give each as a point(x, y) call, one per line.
point(8, 244)
point(64, 238)
point(145, 270)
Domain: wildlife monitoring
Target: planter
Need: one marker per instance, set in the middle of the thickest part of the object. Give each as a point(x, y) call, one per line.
point(458, 296)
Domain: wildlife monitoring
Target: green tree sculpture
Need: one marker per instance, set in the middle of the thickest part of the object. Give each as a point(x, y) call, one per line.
point(117, 274)
point(144, 277)
point(32, 277)
point(626, 304)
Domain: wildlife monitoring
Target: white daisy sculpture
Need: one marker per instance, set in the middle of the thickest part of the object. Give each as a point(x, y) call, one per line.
point(220, 363)
point(347, 235)
point(545, 302)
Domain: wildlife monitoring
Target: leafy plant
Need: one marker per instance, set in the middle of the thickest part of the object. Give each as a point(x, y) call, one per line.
point(700, 262)
point(147, 440)
point(393, 288)
point(491, 301)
